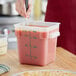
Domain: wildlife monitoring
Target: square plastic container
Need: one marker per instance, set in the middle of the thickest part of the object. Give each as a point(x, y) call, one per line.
point(37, 42)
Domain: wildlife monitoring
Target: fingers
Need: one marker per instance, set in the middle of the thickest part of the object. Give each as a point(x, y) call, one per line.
point(21, 7)
point(29, 9)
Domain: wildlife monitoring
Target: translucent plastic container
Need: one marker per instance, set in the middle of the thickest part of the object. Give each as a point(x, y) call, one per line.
point(37, 42)
point(3, 44)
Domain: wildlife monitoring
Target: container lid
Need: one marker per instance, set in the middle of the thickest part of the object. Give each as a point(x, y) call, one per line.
point(37, 26)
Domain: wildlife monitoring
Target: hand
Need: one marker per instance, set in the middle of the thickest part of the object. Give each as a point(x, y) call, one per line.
point(21, 7)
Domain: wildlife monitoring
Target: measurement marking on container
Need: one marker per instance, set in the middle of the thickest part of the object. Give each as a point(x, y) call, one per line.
point(35, 37)
point(34, 31)
point(25, 31)
point(26, 45)
point(35, 57)
point(26, 55)
point(30, 37)
point(31, 56)
point(35, 47)
point(30, 45)
point(30, 42)
point(26, 35)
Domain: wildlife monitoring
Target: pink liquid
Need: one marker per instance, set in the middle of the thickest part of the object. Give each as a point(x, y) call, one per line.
point(35, 47)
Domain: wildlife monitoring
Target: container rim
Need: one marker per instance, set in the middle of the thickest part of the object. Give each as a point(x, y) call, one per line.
point(24, 25)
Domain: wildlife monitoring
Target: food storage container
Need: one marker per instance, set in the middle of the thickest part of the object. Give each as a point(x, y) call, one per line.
point(37, 42)
point(3, 44)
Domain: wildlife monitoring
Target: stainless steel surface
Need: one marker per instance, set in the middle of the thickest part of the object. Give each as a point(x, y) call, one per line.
point(11, 20)
point(7, 28)
point(8, 8)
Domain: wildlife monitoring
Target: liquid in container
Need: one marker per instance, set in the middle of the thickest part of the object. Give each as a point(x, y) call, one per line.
point(37, 42)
